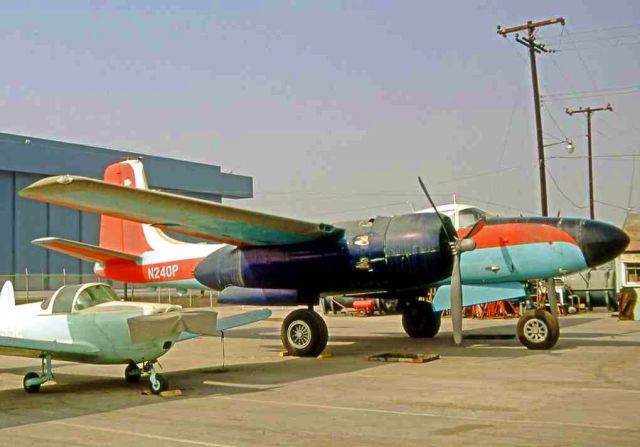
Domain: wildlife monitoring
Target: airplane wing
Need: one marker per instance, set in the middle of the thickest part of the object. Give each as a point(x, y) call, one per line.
point(83, 250)
point(187, 215)
point(25, 347)
point(233, 321)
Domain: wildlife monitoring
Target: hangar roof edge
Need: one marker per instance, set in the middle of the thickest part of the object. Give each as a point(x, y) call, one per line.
point(22, 153)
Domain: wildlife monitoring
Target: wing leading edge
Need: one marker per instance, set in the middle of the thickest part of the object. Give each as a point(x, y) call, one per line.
point(187, 215)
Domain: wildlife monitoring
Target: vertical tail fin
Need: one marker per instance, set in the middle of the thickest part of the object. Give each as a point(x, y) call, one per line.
point(123, 235)
point(7, 297)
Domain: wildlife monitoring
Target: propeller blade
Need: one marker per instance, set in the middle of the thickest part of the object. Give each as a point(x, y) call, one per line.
point(451, 237)
point(456, 299)
point(475, 229)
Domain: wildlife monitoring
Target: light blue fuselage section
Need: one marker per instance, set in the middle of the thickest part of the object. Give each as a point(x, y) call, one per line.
point(493, 274)
point(520, 262)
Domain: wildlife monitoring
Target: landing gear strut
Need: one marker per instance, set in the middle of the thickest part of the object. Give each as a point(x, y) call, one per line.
point(304, 333)
point(157, 382)
point(32, 380)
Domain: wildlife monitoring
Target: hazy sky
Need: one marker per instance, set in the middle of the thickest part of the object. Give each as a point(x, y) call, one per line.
point(335, 108)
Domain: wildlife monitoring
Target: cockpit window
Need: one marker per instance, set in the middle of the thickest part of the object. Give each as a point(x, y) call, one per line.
point(63, 299)
point(94, 295)
point(469, 216)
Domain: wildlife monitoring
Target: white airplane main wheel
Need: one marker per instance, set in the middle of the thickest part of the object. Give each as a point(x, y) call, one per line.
point(304, 333)
point(31, 388)
point(132, 373)
point(538, 329)
point(419, 320)
point(158, 384)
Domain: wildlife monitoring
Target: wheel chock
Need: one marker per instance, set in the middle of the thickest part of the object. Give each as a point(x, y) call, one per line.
point(325, 355)
point(171, 393)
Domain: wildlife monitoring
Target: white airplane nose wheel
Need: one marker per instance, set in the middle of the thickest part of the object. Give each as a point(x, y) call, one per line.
point(157, 383)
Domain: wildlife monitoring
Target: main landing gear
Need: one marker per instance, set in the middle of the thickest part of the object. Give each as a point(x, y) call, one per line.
point(32, 380)
point(157, 382)
point(418, 318)
point(304, 333)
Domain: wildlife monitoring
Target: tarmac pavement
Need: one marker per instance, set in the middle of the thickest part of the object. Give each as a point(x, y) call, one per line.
point(489, 392)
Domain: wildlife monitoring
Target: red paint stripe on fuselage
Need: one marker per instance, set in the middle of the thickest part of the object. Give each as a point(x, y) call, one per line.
point(500, 235)
point(127, 271)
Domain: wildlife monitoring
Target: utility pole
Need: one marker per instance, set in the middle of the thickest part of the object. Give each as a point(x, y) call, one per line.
point(589, 111)
point(530, 42)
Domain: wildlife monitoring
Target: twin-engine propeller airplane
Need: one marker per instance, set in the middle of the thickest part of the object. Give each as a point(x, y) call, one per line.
point(88, 324)
point(271, 260)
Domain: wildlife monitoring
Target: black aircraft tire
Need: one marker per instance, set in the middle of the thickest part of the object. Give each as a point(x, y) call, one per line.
point(420, 321)
point(304, 333)
point(132, 373)
point(30, 388)
point(538, 329)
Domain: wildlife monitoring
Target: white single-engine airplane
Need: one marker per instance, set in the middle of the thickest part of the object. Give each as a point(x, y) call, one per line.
point(87, 323)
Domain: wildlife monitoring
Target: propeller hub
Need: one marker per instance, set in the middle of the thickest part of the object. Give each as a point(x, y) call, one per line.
point(466, 245)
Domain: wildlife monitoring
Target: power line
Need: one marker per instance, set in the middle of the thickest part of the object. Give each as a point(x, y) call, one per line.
point(596, 30)
point(584, 64)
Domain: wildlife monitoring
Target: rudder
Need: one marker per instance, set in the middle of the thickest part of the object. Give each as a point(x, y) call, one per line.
point(124, 235)
point(7, 296)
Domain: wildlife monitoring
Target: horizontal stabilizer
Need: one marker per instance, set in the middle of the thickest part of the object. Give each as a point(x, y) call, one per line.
point(149, 327)
point(82, 250)
point(233, 321)
point(479, 294)
point(187, 215)
point(7, 297)
point(242, 319)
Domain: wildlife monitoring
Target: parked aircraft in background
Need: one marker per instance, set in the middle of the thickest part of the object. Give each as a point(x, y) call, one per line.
point(88, 324)
point(271, 260)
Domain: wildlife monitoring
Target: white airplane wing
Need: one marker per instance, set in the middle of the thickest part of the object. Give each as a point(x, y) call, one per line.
point(25, 347)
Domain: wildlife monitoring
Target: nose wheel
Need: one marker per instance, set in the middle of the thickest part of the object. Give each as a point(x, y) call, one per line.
point(157, 382)
point(304, 333)
point(538, 329)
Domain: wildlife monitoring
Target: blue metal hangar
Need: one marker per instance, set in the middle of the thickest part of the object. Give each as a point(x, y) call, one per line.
point(24, 159)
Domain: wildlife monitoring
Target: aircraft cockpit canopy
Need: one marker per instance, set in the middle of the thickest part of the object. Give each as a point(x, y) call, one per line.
point(74, 298)
point(469, 216)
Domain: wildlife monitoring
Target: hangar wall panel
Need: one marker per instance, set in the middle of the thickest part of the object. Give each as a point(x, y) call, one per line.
point(31, 218)
point(6, 221)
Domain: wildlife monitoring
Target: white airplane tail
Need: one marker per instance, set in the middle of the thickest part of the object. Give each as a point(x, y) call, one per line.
point(7, 297)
